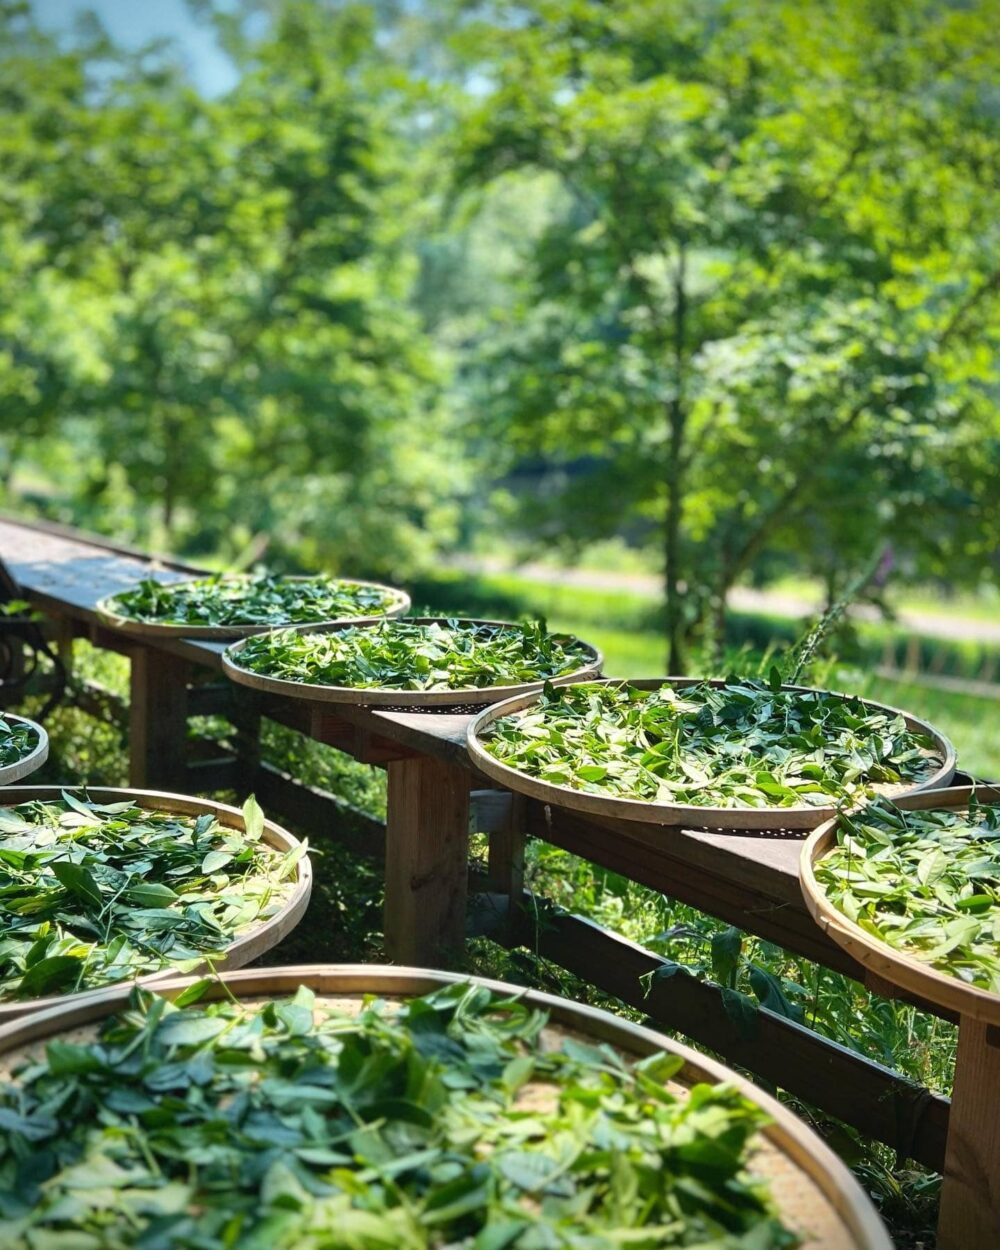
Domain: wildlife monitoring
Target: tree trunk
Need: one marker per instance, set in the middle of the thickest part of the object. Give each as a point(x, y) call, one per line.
point(676, 419)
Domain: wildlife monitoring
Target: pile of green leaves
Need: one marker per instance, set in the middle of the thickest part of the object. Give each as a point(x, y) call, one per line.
point(744, 744)
point(926, 883)
point(92, 893)
point(294, 1125)
point(16, 741)
point(404, 655)
point(235, 600)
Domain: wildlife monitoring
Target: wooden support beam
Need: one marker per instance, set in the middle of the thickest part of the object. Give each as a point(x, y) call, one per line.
point(970, 1191)
point(427, 846)
point(219, 772)
point(506, 857)
point(322, 814)
point(157, 720)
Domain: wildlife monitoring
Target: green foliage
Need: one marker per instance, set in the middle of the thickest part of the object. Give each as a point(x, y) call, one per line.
point(411, 1129)
point(16, 741)
point(759, 311)
point(744, 744)
point(262, 600)
point(927, 883)
point(207, 298)
point(405, 655)
point(92, 894)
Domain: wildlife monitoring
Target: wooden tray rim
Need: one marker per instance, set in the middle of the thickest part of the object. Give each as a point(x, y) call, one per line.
point(687, 815)
point(802, 1148)
point(409, 699)
point(242, 950)
point(906, 971)
point(27, 764)
point(400, 603)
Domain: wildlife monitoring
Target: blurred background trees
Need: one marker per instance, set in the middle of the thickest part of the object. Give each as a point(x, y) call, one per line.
point(717, 280)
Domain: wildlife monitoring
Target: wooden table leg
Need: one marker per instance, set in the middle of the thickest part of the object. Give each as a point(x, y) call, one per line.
point(426, 860)
point(506, 860)
point(970, 1192)
point(157, 720)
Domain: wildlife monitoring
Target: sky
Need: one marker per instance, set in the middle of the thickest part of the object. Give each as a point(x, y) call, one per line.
point(132, 23)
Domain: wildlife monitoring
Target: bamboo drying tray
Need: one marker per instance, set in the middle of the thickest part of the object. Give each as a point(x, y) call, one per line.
point(814, 1192)
point(403, 700)
point(242, 950)
point(398, 604)
point(895, 966)
point(30, 762)
point(688, 815)
point(970, 1196)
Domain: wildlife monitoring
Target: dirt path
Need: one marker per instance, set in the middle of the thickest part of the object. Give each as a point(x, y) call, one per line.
point(742, 599)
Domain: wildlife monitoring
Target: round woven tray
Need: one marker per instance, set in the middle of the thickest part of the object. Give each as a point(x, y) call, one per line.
point(685, 814)
point(896, 967)
point(30, 762)
point(814, 1192)
point(243, 950)
point(399, 603)
point(408, 700)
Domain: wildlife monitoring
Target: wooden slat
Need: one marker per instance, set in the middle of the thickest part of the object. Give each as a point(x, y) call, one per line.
point(157, 720)
point(426, 855)
point(970, 1192)
point(321, 813)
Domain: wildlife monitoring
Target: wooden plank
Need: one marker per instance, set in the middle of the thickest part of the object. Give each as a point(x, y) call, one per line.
point(321, 813)
point(490, 811)
point(745, 887)
point(879, 1102)
point(203, 776)
point(970, 1190)
point(157, 720)
point(427, 847)
point(507, 844)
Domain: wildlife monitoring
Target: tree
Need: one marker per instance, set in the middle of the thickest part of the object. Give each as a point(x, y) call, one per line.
point(762, 308)
point(260, 372)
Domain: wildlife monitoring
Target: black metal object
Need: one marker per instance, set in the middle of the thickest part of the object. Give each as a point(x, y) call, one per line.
point(22, 645)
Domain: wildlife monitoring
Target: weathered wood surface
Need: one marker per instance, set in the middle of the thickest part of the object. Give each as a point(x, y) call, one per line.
point(970, 1191)
point(426, 860)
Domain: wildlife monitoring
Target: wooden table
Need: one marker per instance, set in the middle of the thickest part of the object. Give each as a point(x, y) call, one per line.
point(750, 881)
